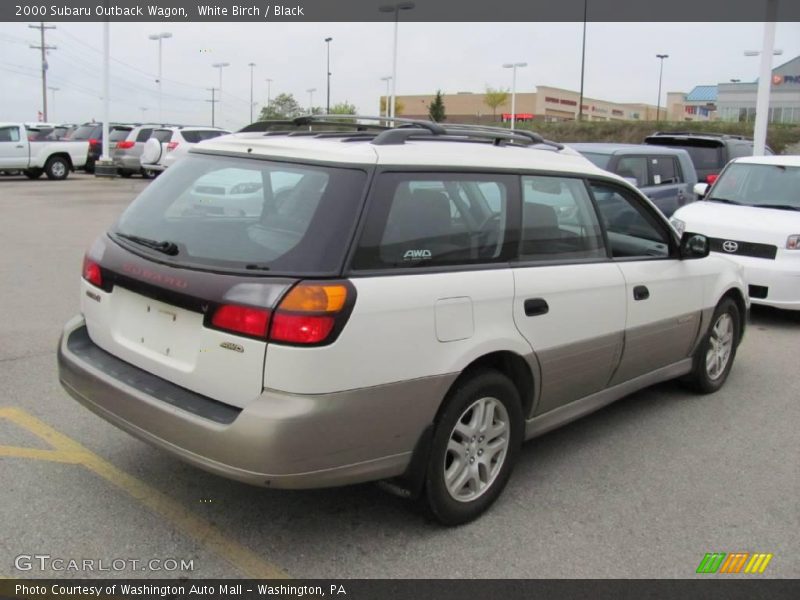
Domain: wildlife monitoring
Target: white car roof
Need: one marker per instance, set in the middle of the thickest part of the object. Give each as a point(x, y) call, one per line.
point(444, 154)
point(784, 160)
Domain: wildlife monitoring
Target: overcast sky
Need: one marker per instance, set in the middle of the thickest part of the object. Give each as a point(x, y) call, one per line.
point(620, 63)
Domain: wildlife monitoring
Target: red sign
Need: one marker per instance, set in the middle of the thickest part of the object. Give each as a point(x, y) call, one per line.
point(518, 116)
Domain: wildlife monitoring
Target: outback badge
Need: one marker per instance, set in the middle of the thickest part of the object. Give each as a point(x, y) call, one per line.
point(232, 346)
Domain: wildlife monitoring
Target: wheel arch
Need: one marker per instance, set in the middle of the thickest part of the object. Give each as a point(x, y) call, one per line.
point(64, 155)
point(737, 296)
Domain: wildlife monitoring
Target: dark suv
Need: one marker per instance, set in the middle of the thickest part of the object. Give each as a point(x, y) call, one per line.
point(709, 151)
point(93, 133)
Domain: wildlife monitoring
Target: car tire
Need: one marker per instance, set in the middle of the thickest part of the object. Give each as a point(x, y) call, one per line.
point(33, 173)
point(124, 174)
point(473, 451)
point(56, 168)
point(714, 356)
point(146, 174)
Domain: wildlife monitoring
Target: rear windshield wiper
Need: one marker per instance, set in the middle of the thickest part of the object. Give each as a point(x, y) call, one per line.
point(778, 206)
point(723, 200)
point(170, 248)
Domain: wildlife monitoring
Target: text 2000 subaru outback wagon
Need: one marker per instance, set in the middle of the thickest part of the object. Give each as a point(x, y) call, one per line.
point(409, 304)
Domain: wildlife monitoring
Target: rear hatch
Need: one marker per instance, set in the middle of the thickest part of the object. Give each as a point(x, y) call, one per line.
point(184, 285)
point(707, 154)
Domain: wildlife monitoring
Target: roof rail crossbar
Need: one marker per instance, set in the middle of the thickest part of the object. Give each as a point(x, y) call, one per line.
point(354, 119)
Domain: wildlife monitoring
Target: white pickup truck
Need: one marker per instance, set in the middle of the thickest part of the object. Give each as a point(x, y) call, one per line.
point(54, 159)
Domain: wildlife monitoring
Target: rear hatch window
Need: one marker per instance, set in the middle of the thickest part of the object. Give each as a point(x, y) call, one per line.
point(198, 135)
point(84, 132)
point(118, 134)
point(706, 154)
point(162, 135)
point(246, 215)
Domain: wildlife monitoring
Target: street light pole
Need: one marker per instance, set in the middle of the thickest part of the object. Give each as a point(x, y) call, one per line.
point(328, 104)
point(765, 81)
point(395, 8)
point(251, 65)
point(388, 80)
point(159, 37)
point(660, 75)
point(513, 67)
point(311, 100)
point(220, 66)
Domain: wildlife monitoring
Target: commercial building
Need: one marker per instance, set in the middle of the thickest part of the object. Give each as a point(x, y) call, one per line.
point(736, 100)
point(546, 103)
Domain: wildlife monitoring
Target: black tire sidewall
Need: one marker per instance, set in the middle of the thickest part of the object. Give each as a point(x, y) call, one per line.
point(701, 379)
point(481, 384)
point(48, 168)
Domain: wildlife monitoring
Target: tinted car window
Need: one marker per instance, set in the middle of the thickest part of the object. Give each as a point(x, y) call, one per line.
point(228, 213)
point(162, 135)
point(84, 132)
point(664, 170)
point(9, 134)
point(739, 149)
point(599, 160)
point(144, 135)
point(558, 220)
point(199, 135)
point(418, 220)
point(632, 230)
point(118, 134)
point(633, 167)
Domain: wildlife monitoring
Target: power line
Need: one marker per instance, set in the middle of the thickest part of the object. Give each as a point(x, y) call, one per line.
point(44, 48)
point(213, 103)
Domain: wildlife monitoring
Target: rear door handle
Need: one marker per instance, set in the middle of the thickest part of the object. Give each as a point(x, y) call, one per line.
point(640, 292)
point(535, 307)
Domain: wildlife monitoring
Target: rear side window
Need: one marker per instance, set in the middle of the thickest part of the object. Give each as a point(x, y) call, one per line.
point(144, 135)
point(426, 219)
point(633, 167)
point(249, 215)
point(558, 220)
point(664, 170)
point(739, 149)
point(117, 135)
point(9, 134)
point(162, 135)
point(198, 135)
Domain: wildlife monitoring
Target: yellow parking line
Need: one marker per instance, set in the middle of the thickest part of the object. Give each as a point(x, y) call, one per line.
point(70, 451)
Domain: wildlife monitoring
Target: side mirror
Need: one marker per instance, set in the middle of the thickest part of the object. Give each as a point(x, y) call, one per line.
point(701, 189)
point(694, 245)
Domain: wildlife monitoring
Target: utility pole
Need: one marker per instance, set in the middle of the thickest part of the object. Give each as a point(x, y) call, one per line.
point(53, 102)
point(44, 48)
point(213, 101)
point(269, 90)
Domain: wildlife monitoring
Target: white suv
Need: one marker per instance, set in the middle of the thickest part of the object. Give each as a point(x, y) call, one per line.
point(168, 144)
point(407, 303)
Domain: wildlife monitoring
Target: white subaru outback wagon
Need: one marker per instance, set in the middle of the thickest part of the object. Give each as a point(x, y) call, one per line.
point(408, 304)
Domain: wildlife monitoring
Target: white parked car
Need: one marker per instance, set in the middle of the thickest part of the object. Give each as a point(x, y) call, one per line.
point(168, 144)
point(405, 304)
point(752, 215)
point(54, 159)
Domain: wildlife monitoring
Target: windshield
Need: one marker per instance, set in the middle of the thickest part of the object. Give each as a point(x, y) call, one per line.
point(245, 214)
point(759, 185)
point(599, 160)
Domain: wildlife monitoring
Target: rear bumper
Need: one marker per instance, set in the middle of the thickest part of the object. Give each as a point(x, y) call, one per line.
point(278, 440)
point(127, 162)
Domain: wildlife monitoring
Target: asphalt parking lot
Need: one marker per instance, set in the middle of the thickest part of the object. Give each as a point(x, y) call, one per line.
point(643, 488)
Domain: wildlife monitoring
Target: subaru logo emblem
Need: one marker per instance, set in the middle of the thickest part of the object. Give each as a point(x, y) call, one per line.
point(730, 246)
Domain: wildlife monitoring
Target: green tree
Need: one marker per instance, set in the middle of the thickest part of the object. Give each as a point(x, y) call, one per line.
point(283, 106)
point(493, 98)
point(436, 109)
point(343, 108)
point(399, 107)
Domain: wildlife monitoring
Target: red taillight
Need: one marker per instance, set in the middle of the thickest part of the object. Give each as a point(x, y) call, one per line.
point(124, 145)
point(91, 272)
point(93, 142)
point(171, 146)
point(710, 179)
point(242, 319)
point(300, 329)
